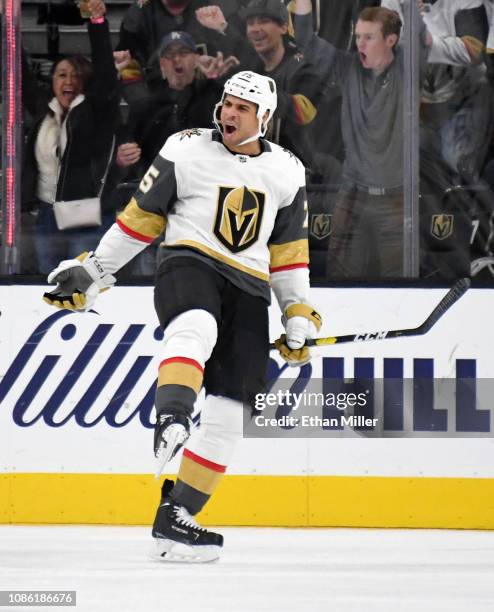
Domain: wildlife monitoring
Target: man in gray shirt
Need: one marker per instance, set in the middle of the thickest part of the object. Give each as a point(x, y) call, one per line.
point(367, 222)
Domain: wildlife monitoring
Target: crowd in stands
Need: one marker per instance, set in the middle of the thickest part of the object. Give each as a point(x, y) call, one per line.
point(93, 127)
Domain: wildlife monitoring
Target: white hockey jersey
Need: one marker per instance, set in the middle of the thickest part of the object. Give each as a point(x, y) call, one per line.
point(447, 48)
point(246, 215)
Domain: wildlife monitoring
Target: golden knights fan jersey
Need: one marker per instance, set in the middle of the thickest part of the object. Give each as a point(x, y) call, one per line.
point(244, 216)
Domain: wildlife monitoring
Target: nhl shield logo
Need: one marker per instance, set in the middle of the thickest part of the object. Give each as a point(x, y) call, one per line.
point(442, 226)
point(320, 225)
point(238, 217)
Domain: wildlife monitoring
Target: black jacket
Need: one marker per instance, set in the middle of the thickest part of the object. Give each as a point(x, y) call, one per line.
point(90, 128)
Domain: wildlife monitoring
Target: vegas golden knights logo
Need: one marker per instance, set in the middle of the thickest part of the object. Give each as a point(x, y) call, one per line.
point(442, 226)
point(320, 226)
point(239, 216)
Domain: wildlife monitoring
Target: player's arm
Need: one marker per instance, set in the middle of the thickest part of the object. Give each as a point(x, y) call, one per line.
point(80, 280)
point(289, 268)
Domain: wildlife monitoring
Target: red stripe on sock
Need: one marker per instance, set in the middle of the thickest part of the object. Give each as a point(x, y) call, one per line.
point(216, 467)
point(185, 360)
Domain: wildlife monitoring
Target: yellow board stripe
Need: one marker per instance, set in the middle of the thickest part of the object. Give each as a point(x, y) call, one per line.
point(220, 257)
point(141, 221)
point(289, 254)
point(199, 476)
point(5, 497)
point(284, 501)
point(176, 373)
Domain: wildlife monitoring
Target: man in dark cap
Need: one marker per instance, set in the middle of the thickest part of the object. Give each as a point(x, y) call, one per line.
point(178, 102)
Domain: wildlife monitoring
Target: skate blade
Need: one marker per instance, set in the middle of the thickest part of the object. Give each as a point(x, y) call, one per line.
point(176, 552)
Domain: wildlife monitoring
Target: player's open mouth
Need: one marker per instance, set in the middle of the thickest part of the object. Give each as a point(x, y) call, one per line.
point(363, 57)
point(230, 129)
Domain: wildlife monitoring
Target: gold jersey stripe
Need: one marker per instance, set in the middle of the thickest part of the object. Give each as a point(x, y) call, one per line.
point(219, 257)
point(289, 253)
point(198, 476)
point(184, 374)
point(141, 221)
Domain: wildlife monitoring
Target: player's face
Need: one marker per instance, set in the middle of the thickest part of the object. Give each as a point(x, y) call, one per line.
point(265, 34)
point(239, 120)
point(375, 50)
point(66, 83)
point(178, 65)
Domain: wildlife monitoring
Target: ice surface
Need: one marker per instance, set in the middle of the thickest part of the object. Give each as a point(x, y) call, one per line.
point(313, 570)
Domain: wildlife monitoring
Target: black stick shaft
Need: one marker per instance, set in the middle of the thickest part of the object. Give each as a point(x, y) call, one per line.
point(453, 295)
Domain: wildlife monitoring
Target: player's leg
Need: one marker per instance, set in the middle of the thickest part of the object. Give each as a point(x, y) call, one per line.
point(204, 461)
point(188, 301)
point(188, 304)
point(232, 382)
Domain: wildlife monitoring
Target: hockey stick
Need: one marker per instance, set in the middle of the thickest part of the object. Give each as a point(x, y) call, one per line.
point(453, 295)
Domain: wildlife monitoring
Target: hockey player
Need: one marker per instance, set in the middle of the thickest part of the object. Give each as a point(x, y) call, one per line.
point(235, 212)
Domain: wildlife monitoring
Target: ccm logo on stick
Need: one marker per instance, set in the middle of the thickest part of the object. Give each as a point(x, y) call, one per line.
point(371, 336)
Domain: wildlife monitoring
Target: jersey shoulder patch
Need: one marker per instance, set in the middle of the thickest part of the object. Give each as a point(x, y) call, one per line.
point(186, 144)
point(189, 133)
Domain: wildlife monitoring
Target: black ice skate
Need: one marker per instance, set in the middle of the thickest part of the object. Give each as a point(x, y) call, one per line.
point(178, 537)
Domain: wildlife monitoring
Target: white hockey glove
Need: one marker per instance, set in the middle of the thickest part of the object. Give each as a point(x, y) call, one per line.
point(79, 281)
point(171, 432)
point(301, 322)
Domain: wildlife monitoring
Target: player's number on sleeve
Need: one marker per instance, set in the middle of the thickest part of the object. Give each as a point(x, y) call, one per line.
point(148, 179)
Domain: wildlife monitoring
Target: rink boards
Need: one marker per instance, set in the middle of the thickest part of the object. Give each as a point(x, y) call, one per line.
point(76, 415)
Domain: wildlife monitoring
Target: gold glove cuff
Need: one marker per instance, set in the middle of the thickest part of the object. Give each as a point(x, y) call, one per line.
point(304, 310)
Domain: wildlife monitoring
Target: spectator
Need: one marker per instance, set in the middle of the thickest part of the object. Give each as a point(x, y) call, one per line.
point(335, 20)
point(367, 222)
point(276, 56)
point(184, 99)
point(145, 24)
point(456, 111)
point(68, 149)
